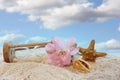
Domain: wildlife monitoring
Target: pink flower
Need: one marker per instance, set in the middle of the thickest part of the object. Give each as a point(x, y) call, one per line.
point(60, 51)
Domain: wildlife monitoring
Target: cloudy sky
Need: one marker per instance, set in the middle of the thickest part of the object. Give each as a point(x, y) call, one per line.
point(28, 21)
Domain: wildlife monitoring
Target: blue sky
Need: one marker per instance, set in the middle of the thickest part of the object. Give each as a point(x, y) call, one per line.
point(21, 22)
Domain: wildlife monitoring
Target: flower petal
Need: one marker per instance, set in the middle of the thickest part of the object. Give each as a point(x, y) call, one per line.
point(50, 48)
point(60, 44)
point(60, 52)
point(71, 42)
point(74, 51)
point(67, 59)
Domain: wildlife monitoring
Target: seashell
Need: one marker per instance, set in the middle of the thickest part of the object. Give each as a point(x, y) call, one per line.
point(81, 65)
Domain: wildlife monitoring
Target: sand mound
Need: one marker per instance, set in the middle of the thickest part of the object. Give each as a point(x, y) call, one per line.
point(105, 68)
point(34, 71)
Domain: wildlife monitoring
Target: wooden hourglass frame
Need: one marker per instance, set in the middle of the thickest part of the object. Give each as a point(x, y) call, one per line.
point(9, 49)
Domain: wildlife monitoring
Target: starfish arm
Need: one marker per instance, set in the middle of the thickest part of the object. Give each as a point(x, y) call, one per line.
point(82, 50)
point(91, 46)
point(90, 54)
point(100, 54)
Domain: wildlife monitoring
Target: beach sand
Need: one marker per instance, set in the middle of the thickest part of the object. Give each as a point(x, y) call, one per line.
point(31, 68)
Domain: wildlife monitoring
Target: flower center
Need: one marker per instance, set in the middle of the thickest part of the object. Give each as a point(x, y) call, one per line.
point(62, 53)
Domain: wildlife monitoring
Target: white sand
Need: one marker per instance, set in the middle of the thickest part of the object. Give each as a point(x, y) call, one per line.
point(105, 68)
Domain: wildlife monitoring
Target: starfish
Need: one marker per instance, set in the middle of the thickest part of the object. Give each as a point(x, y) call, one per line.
point(90, 54)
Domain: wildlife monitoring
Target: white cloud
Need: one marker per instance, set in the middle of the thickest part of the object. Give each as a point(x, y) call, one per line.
point(64, 16)
point(109, 9)
point(109, 45)
point(13, 38)
point(36, 39)
point(59, 13)
point(20, 39)
point(119, 28)
point(32, 18)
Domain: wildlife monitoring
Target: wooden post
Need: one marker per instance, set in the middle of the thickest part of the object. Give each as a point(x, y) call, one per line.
point(6, 49)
